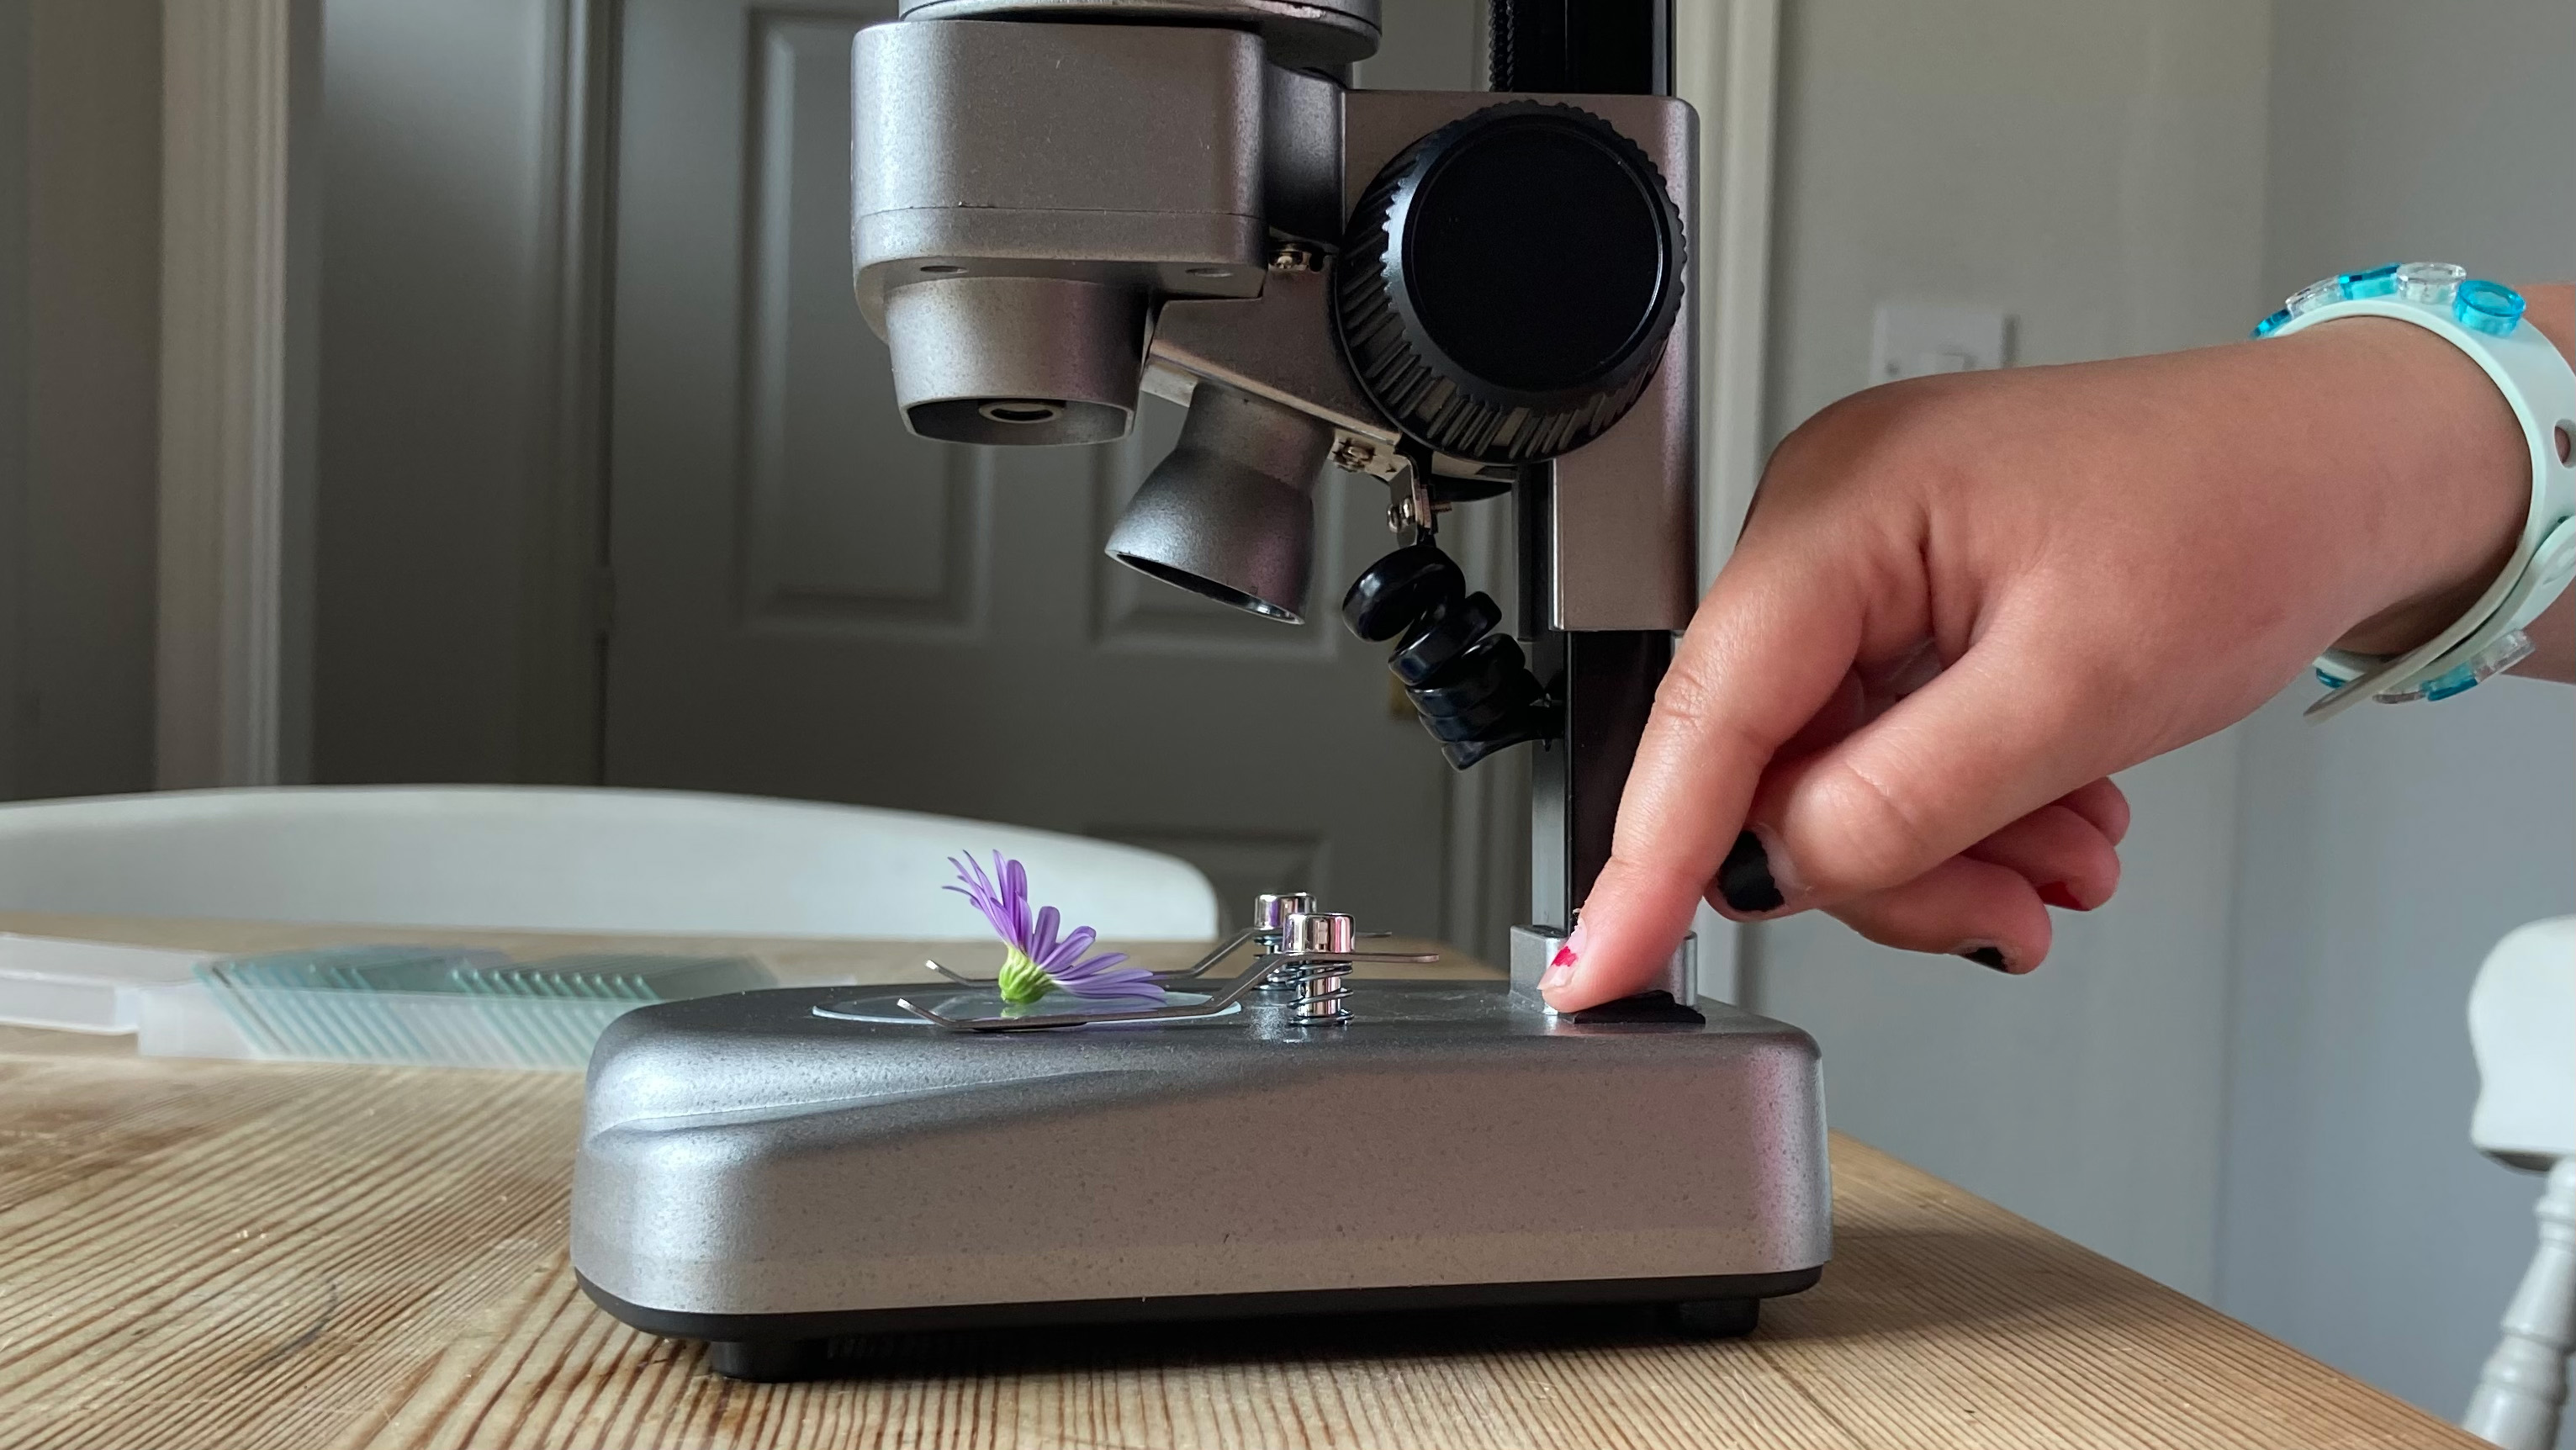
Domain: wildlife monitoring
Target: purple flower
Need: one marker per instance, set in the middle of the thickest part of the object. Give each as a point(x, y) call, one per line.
point(1035, 960)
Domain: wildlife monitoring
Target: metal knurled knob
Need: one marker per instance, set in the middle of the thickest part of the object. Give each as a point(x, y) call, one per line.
point(1508, 282)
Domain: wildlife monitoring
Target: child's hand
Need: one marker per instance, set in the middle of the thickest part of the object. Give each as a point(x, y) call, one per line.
point(1961, 603)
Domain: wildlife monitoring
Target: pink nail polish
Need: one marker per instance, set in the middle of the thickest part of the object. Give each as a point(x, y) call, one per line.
point(1560, 968)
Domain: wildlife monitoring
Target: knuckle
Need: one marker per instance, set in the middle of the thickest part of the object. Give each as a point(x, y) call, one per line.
point(1872, 423)
point(1691, 712)
point(1862, 834)
point(1685, 699)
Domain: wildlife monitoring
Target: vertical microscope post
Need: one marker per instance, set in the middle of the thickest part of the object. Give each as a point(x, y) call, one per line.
point(1607, 557)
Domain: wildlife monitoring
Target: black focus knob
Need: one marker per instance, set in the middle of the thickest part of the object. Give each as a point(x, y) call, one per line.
point(1509, 280)
point(1471, 688)
point(1399, 589)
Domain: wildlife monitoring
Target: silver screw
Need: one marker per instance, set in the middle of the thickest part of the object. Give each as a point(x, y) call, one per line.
point(1353, 456)
point(1270, 913)
point(1413, 506)
point(1322, 987)
point(1295, 257)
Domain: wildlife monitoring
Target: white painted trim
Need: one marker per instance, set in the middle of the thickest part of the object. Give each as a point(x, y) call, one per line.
point(564, 587)
point(236, 372)
point(1726, 60)
point(1728, 66)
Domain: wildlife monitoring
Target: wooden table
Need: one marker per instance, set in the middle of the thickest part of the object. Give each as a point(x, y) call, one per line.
point(238, 1254)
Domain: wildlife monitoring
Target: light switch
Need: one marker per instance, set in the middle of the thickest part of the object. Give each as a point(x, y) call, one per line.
point(1915, 339)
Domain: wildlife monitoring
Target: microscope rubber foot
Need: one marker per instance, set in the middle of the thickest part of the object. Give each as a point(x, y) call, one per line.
point(765, 1361)
point(1713, 1318)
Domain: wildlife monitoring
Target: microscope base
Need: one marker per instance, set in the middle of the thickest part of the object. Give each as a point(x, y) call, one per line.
point(802, 1346)
point(772, 1182)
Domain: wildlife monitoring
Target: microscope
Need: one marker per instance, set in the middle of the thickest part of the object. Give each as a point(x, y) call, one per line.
point(1061, 205)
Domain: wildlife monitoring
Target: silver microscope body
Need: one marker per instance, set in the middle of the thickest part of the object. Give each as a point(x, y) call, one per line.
point(1060, 205)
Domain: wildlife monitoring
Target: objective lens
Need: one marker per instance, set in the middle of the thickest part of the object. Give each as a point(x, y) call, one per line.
point(1021, 410)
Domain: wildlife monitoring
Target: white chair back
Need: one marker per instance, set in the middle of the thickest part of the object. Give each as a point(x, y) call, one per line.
point(2522, 1026)
point(547, 859)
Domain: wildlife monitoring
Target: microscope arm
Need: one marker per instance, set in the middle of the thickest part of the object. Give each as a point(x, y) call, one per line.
point(1278, 346)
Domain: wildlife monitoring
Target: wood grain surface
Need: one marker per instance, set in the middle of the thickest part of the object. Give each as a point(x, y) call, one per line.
point(245, 1255)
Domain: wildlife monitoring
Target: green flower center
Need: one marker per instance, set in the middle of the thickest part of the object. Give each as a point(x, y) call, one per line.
point(1021, 979)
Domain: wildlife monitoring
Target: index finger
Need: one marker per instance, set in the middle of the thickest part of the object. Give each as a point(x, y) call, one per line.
point(1767, 649)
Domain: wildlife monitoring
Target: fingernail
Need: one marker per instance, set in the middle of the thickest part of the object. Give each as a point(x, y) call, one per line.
point(2056, 894)
point(1745, 880)
point(1560, 968)
point(1986, 956)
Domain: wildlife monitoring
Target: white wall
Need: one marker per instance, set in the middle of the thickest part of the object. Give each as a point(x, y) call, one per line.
point(2384, 854)
point(2095, 171)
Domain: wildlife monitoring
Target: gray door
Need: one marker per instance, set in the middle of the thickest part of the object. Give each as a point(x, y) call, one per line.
point(810, 602)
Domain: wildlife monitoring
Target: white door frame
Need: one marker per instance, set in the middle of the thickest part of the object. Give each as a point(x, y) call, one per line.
point(240, 246)
point(1726, 62)
point(240, 230)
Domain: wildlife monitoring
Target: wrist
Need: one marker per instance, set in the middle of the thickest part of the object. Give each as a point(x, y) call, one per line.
point(2436, 472)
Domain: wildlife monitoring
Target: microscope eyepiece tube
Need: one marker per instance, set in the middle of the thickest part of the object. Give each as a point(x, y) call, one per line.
point(1231, 513)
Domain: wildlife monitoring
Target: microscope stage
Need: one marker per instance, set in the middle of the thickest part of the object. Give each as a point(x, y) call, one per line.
point(767, 1179)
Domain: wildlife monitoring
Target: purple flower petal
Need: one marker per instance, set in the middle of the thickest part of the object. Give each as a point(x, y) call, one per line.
point(1079, 970)
point(1003, 898)
point(978, 889)
point(1042, 943)
point(1015, 897)
point(973, 899)
point(1124, 982)
point(1070, 950)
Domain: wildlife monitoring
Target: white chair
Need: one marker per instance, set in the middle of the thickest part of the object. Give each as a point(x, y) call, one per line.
point(564, 860)
point(2522, 1025)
